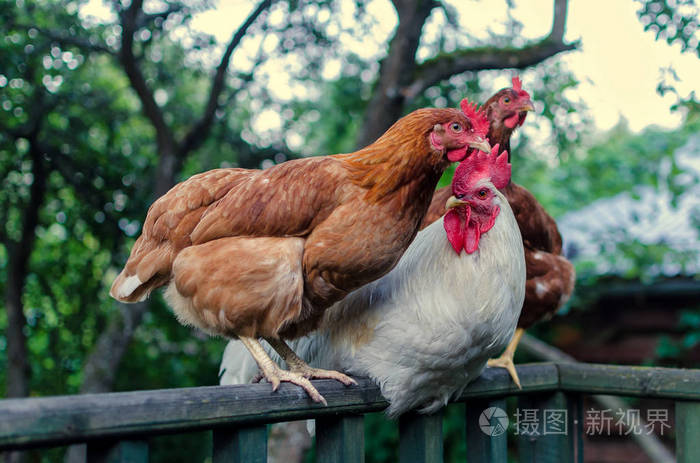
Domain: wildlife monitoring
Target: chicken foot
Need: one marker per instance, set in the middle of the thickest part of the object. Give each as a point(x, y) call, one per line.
point(297, 365)
point(274, 374)
point(506, 358)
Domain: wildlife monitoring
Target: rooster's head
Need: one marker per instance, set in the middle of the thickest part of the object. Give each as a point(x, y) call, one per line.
point(473, 206)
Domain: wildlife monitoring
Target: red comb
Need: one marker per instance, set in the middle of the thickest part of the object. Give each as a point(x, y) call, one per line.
point(483, 165)
point(517, 85)
point(478, 118)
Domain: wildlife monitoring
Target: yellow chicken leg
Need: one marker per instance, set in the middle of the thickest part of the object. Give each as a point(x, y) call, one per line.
point(297, 365)
point(506, 358)
point(274, 374)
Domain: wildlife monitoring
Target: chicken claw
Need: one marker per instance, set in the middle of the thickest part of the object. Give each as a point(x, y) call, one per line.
point(274, 374)
point(278, 375)
point(506, 359)
point(297, 365)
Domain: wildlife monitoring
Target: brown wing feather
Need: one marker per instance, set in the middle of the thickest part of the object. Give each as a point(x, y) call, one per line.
point(280, 201)
point(539, 229)
point(550, 282)
point(288, 199)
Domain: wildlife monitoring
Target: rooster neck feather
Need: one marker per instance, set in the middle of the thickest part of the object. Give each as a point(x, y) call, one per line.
point(401, 156)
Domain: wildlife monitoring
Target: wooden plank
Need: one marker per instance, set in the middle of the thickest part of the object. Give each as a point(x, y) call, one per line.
point(496, 382)
point(687, 431)
point(575, 427)
point(125, 451)
point(420, 438)
point(47, 421)
point(669, 383)
point(487, 431)
point(542, 426)
point(234, 444)
point(340, 439)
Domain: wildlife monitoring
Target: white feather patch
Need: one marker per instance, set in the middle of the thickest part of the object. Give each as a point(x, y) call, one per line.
point(541, 289)
point(129, 285)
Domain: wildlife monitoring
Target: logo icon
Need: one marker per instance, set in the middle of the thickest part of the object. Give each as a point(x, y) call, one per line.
point(493, 421)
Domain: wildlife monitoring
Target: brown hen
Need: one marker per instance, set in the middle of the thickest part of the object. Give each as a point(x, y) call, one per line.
point(254, 254)
point(550, 277)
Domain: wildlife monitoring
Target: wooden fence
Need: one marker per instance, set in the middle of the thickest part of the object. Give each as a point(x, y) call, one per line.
point(116, 426)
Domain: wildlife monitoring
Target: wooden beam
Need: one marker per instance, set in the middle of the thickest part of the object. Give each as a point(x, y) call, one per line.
point(667, 383)
point(48, 421)
point(340, 439)
point(542, 427)
point(496, 382)
point(420, 438)
point(487, 433)
point(125, 451)
point(233, 444)
point(687, 431)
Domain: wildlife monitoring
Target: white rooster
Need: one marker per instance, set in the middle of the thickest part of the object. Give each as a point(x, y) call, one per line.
point(426, 329)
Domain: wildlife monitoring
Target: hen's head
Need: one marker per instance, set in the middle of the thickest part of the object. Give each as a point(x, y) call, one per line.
point(463, 134)
point(509, 106)
point(473, 206)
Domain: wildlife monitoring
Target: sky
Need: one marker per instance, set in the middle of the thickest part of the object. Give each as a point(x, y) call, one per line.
point(619, 65)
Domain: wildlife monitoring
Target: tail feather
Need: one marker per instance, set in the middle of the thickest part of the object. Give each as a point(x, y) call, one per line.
point(147, 268)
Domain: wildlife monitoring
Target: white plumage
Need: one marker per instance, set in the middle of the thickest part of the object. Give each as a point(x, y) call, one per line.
point(426, 329)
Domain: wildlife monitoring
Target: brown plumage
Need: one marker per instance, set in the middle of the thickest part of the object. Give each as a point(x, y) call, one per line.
point(262, 253)
point(550, 277)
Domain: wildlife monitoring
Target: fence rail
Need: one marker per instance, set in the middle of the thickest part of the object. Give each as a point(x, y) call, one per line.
point(116, 425)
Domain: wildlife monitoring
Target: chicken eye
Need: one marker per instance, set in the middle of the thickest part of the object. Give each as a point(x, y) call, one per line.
point(506, 100)
point(456, 127)
point(482, 193)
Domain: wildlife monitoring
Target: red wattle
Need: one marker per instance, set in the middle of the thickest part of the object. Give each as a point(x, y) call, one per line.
point(512, 121)
point(471, 237)
point(453, 227)
point(457, 155)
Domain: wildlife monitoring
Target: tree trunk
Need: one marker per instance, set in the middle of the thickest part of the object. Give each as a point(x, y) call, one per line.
point(19, 252)
point(17, 363)
point(396, 71)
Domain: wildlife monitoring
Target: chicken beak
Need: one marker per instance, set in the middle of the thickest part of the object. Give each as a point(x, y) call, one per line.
point(453, 202)
point(480, 144)
point(527, 106)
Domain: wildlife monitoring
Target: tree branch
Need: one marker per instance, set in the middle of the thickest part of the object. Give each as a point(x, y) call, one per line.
point(151, 110)
point(442, 67)
point(433, 71)
point(199, 131)
point(81, 42)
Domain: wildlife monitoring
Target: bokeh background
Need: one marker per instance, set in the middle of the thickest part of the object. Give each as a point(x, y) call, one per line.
point(106, 104)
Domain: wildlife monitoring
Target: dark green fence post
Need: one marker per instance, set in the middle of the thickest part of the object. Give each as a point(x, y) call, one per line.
point(544, 429)
point(487, 431)
point(420, 438)
point(340, 439)
point(234, 444)
point(125, 451)
point(575, 427)
point(687, 431)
